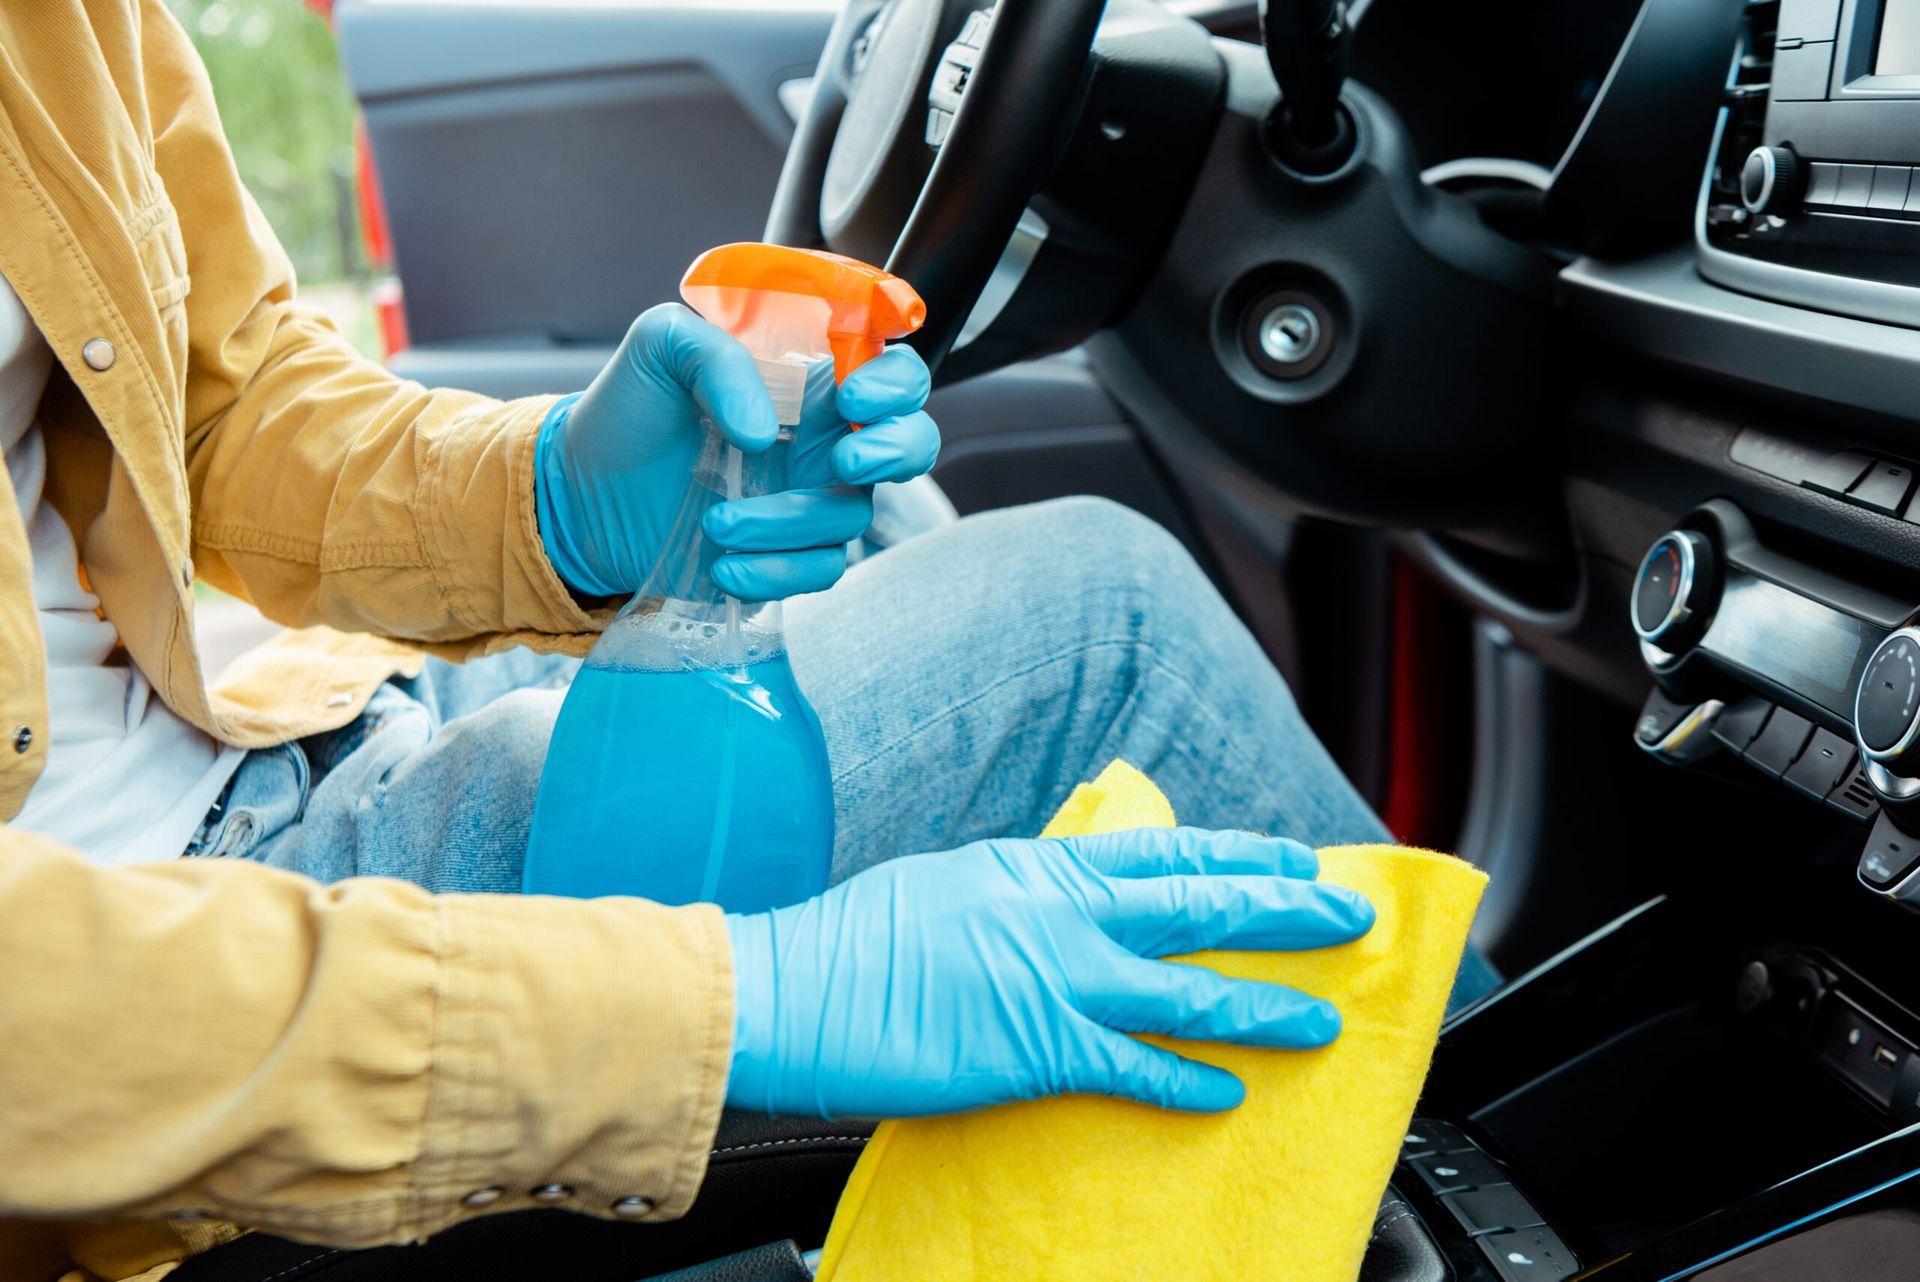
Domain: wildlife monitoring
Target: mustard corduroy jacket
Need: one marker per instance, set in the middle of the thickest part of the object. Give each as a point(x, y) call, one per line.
point(186, 1043)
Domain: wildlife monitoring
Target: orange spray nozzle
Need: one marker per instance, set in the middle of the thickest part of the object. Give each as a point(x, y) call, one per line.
point(781, 301)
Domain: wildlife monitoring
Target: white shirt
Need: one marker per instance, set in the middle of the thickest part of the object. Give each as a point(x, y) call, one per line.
point(126, 780)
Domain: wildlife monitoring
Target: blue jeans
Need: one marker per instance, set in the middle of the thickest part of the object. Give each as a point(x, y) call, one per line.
point(967, 680)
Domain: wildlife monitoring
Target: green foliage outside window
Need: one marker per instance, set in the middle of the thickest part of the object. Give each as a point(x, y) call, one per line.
point(289, 119)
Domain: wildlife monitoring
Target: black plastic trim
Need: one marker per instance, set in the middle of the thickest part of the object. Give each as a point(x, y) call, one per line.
point(1661, 306)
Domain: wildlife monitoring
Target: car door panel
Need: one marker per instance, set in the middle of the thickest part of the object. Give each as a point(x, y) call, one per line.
point(549, 170)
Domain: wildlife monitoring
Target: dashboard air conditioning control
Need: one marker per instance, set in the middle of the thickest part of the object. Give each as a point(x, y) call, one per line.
point(1886, 725)
point(1886, 715)
point(1673, 591)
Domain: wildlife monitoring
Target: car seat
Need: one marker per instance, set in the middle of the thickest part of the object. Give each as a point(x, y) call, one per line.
point(771, 1187)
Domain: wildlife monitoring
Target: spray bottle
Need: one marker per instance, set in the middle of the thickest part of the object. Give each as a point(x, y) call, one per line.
point(686, 765)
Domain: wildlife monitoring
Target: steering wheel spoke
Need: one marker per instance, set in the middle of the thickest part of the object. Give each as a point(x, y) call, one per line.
point(932, 125)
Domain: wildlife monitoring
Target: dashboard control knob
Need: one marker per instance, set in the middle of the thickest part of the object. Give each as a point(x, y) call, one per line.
point(1771, 180)
point(1754, 988)
point(1673, 591)
point(1886, 715)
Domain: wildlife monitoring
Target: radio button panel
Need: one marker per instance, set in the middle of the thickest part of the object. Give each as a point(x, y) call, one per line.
point(1811, 196)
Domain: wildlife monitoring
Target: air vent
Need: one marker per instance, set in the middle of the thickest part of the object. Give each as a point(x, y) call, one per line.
point(1746, 100)
point(1856, 798)
point(1756, 44)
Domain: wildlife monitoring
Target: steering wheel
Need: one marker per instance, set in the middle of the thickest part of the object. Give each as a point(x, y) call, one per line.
point(931, 124)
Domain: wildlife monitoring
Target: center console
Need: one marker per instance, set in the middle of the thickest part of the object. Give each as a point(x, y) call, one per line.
point(1701, 1085)
point(1685, 1094)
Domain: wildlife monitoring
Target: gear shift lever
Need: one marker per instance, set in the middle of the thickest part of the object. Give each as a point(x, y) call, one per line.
point(1308, 44)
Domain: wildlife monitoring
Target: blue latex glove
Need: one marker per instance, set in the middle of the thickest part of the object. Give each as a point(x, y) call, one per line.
point(612, 463)
point(1014, 969)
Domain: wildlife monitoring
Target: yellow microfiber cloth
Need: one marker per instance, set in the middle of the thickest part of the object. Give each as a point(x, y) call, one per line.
point(1285, 1186)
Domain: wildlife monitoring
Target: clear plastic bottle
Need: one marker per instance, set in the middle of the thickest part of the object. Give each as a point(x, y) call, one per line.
point(686, 765)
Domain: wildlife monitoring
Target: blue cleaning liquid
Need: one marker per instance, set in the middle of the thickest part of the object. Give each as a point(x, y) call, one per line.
point(685, 785)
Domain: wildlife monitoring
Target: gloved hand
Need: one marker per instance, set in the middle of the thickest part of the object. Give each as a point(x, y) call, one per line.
point(612, 463)
point(1013, 969)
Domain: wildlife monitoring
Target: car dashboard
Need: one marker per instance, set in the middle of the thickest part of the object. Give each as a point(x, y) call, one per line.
point(1700, 1085)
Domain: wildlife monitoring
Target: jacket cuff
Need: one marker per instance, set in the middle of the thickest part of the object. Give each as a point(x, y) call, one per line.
point(491, 565)
point(581, 1057)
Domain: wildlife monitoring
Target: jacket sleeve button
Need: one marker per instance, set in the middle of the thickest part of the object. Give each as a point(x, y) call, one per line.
point(633, 1208)
point(98, 354)
point(552, 1194)
point(22, 738)
point(480, 1198)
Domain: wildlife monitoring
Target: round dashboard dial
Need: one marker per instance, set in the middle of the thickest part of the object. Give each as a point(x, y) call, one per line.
point(1659, 588)
point(1888, 700)
point(1666, 591)
point(1770, 180)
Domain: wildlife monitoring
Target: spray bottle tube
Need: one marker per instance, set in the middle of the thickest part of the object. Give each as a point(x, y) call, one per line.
point(686, 765)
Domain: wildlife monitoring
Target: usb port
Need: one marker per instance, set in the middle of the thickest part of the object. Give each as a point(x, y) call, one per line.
point(1864, 1052)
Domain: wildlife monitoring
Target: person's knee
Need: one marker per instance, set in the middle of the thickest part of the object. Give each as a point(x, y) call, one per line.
point(1086, 520)
point(1121, 566)
point(1124, 577)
